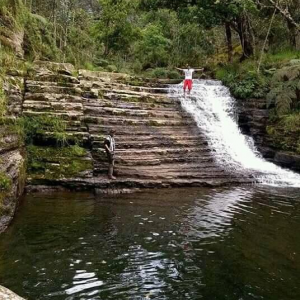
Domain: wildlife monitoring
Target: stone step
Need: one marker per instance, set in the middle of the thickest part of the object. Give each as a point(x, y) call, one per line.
point(154, 154)
point(119, 104)
point(59, 80)
point(149, 137)
point(161, 151)
point(144, 130)
point(139, 98)
point(127, 93)
point(102, 184)
point(134, 155)
point(51, 77)
point(153, 161)
point(74, 116)
point(153, 144)
point(137, 113)
point(41, 97)
point(122, 86)
point(120, 120)
point(55, 106)
point(31, 88)
point(140, 173)
point(130, 92)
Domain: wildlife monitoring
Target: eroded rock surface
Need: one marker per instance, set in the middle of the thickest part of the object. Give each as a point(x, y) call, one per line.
point(12, 152)
point(253, 120)
point(158, 144)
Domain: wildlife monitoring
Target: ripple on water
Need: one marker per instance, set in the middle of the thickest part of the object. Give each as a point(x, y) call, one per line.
point(209, 244)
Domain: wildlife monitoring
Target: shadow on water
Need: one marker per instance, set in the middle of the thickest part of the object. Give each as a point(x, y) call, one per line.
point(233, 243)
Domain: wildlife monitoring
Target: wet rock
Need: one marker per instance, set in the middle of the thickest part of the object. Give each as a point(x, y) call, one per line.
point(288, 160)
point(6, 294)
point(158, 145)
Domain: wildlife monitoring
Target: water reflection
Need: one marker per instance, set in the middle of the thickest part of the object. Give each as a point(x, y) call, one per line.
point(233, 243)
point(211, 217)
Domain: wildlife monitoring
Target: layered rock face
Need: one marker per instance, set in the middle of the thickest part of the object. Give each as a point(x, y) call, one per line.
point(12, 153)
point(158, 144)
point(253, 120)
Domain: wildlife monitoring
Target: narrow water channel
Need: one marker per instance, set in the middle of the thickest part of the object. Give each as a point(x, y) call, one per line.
point(234, 243)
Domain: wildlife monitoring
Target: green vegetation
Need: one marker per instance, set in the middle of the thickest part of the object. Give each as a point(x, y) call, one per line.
point(5, 185)
point(138, 36)
point(243, 81)
point(2, 100)
point(285, 133)
point(251, 45)
point(51, 154)
point(38, 128)
point(5, 182)
point(57, 162)
point(285, 90)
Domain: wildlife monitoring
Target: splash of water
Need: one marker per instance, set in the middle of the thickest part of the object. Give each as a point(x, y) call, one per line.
point(212, 107)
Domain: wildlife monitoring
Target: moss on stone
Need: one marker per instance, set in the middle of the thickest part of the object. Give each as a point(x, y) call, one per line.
point(2, 208)
point(57, 163)
point(284, 133)
point(5, 186)
point(5, 182)
point(155, 123)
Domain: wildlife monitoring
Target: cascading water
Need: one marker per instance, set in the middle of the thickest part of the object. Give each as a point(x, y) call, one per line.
point(212, 107)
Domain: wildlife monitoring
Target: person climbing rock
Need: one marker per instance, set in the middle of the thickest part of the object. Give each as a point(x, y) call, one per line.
point(188, 81)
point(110, 146)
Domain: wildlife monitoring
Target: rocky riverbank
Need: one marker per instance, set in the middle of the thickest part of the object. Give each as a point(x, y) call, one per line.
point(253, 121)
point(158, 144)
point(63, 116)
point(12, 151)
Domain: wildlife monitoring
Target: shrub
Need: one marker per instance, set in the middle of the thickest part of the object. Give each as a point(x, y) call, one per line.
point(285, 132)
point(2, 100)
point(5, 182)
point(111, 68)
point(36, 127)
point(243, 84)
point(153, 49)
point(284, 94)
point(164, 73)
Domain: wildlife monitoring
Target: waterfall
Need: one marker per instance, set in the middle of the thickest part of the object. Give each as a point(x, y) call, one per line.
point(212, 107)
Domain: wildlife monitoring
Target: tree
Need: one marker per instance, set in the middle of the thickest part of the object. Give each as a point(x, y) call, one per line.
point(153, 49)
point(290, 11)
point(115, 28)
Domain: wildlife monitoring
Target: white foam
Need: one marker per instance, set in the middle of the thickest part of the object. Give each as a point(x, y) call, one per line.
point(212, 107)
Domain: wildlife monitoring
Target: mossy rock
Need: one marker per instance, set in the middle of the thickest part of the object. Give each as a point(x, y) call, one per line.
point(5, 187)
point(57, 163)
point(5, 182)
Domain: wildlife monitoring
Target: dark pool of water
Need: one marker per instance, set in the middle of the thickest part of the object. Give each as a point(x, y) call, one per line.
point(234, 243)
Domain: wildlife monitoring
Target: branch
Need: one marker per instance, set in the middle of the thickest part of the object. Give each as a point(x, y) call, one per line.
point(265, 42)
point(285, 13)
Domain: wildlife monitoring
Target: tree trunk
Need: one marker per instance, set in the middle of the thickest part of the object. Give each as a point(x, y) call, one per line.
point(229, 41)
point(265, 41)
point(243, 30)
point(294, 35)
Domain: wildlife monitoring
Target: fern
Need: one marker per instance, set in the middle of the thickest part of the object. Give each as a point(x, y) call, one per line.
point(285, 90)
point(283, 104)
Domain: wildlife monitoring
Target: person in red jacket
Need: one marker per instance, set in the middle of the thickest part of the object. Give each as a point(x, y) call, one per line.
point(188, 80)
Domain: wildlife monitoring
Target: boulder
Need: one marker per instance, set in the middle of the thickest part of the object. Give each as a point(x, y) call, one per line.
point(60, 68)
point(6, 294)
